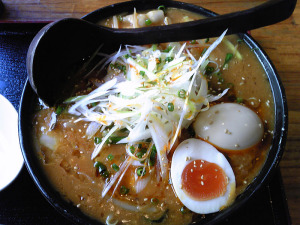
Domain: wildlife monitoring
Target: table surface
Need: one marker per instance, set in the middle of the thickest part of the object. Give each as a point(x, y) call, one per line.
point(280, 41)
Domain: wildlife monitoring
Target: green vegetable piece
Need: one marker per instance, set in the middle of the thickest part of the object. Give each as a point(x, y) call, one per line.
point(161, 7)
point(115, 167)
point(101, 167)
point(209, 70)
point(97, 164)
point(169, 59)
point(154, 47)
point(227, 59)
point(168, 49)
point(142, 73)
point(140, 154)
point(203, 52)
point(124, 190)
point(127, 56)
point(206, 40)
point(105, 174)
point(148, 22)
point(152, 159)
point(97, 140)
point(170, 106)
point(239, 100)
point(94, 104)
point(132, 149)
point(110, 157)
point(59, 110)
point(181, 93)
point(239, 41)
point(154, 200)
point(114, 140)
point(193, 42)
point(141, 171)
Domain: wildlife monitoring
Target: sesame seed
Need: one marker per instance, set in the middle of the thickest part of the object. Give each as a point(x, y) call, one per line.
point(202, 176)
point(75, 167)
point(187, 158)
point(202, 183)
point(78, 205)
point(192, 170)
point(206, 138)
point(236, 145)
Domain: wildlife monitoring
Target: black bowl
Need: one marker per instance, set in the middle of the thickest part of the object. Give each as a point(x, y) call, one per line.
point(29, 101)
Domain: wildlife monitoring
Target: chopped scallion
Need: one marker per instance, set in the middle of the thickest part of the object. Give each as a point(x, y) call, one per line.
point(124, 190)
point(110, 157)
point(141, 171)
point(132, 149)
point(227, 59)
point(170, 106)
point(142, 73)
point(154, 200)
point(169, 59)
point(161, 7)
point(97, 140)
point(115, 167)
point(148, 22)
point(181, 93)
point(167, 49)
point(59, 110)
point(204, 50)
point(209, 70)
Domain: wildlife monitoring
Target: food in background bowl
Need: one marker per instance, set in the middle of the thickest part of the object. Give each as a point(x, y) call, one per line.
point(132, 145)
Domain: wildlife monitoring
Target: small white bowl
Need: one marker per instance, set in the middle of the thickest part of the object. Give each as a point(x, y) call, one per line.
point(11, 159)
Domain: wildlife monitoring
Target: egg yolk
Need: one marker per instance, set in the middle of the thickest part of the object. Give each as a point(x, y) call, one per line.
point(202, 180)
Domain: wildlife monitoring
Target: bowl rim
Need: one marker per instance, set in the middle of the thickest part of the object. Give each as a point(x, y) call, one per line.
point(71, 212)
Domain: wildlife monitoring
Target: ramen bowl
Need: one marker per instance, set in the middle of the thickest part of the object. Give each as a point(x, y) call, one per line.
point(29, 102)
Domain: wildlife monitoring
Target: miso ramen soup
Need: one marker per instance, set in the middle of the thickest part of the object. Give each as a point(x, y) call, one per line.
point(163, 133)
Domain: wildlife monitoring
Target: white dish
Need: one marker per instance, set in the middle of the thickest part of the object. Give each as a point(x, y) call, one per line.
point(11, 159)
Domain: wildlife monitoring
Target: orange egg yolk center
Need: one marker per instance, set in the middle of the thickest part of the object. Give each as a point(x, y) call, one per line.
point(202, 180)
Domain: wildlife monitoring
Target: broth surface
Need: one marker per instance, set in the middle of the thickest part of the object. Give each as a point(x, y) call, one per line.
point(65, 151)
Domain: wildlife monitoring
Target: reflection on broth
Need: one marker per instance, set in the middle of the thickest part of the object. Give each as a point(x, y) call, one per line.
point(128, 148)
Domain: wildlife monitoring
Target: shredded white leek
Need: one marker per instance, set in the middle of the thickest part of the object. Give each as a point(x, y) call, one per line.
point(162, 93)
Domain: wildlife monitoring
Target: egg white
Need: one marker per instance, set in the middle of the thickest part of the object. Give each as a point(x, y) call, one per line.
point(195, 149)
point(229, 126)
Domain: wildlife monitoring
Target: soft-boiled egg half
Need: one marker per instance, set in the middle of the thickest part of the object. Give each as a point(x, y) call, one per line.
point(229, 126)
point(202, 177)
